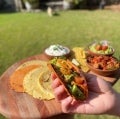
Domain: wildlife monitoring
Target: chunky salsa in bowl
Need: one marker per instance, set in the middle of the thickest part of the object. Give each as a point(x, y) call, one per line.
point(103, 65)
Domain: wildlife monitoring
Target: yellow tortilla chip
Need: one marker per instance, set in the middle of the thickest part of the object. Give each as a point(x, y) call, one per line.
point(37, 83)
point(85, 68)
point(80, 56)
point(79, 52)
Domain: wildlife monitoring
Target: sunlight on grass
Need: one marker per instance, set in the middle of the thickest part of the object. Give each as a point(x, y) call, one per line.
point(26, 34)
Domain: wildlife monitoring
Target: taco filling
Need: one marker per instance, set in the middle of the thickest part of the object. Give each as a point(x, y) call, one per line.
point(71, 77)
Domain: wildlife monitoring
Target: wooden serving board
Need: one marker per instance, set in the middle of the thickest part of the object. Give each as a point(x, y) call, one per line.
point(15, 105)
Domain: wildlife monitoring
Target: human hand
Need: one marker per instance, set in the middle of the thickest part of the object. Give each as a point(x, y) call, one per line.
point(101, 97)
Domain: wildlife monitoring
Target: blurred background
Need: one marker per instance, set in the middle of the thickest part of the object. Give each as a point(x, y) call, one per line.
point(27, 27)
point(19, 5)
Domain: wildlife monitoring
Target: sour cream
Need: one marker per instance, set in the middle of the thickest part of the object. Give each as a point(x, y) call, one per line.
point(57, 50)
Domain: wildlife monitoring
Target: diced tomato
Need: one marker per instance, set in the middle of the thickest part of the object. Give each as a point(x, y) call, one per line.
point(104, 47)
point(98, 47)
point(79, 80)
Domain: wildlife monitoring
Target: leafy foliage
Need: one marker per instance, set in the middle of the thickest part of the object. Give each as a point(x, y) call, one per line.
point(78, 3)
point(34, 3)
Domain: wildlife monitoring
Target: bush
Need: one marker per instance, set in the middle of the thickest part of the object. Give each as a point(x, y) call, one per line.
point(34, 3)
point(2, 4)
point(78, 3)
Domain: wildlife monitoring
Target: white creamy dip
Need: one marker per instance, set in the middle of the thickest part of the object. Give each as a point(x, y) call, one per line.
point(57, 50)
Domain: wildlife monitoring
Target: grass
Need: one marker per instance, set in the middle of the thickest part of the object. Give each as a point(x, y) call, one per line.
point(26, 34)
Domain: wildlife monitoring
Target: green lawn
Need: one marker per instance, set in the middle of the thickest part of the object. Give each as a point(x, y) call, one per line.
point(26, 34)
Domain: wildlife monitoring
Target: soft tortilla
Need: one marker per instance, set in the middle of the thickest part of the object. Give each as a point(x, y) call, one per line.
point(32, 62)
point(16, 79)
point(37, 83)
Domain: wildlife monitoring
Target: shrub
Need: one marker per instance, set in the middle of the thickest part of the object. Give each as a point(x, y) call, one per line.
point(78, 3)
point(34, 3)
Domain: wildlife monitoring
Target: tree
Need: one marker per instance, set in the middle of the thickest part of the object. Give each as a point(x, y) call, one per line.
point(2, 4)
point(34, 3)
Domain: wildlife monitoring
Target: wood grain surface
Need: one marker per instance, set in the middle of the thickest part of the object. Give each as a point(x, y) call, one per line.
point(15, 105)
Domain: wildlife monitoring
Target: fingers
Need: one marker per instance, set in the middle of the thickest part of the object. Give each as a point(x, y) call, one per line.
point(55, 83)
point(70, 105)
point(59, 90)
point(66, 104)
point(60, 93)
point(53, 76)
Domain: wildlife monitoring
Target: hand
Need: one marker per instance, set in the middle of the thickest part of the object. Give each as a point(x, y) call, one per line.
point(101, 97)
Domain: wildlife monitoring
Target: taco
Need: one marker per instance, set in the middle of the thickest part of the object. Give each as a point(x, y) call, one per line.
point(71, 77)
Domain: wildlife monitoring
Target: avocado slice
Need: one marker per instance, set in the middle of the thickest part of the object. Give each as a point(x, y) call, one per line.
point(77, 92)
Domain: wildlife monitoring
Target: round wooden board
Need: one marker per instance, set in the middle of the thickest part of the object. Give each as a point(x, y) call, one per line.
point(15, 105)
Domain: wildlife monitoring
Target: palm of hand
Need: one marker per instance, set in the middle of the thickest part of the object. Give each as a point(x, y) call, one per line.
point(99, 100)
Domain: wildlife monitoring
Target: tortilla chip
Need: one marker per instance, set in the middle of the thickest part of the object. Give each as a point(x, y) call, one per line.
point(79, 52)
point(80, 56)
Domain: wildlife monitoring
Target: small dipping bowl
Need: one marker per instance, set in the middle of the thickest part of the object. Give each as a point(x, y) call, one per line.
point(57, 51)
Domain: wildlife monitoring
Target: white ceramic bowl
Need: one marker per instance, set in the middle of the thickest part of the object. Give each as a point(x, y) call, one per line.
point(57, 51)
